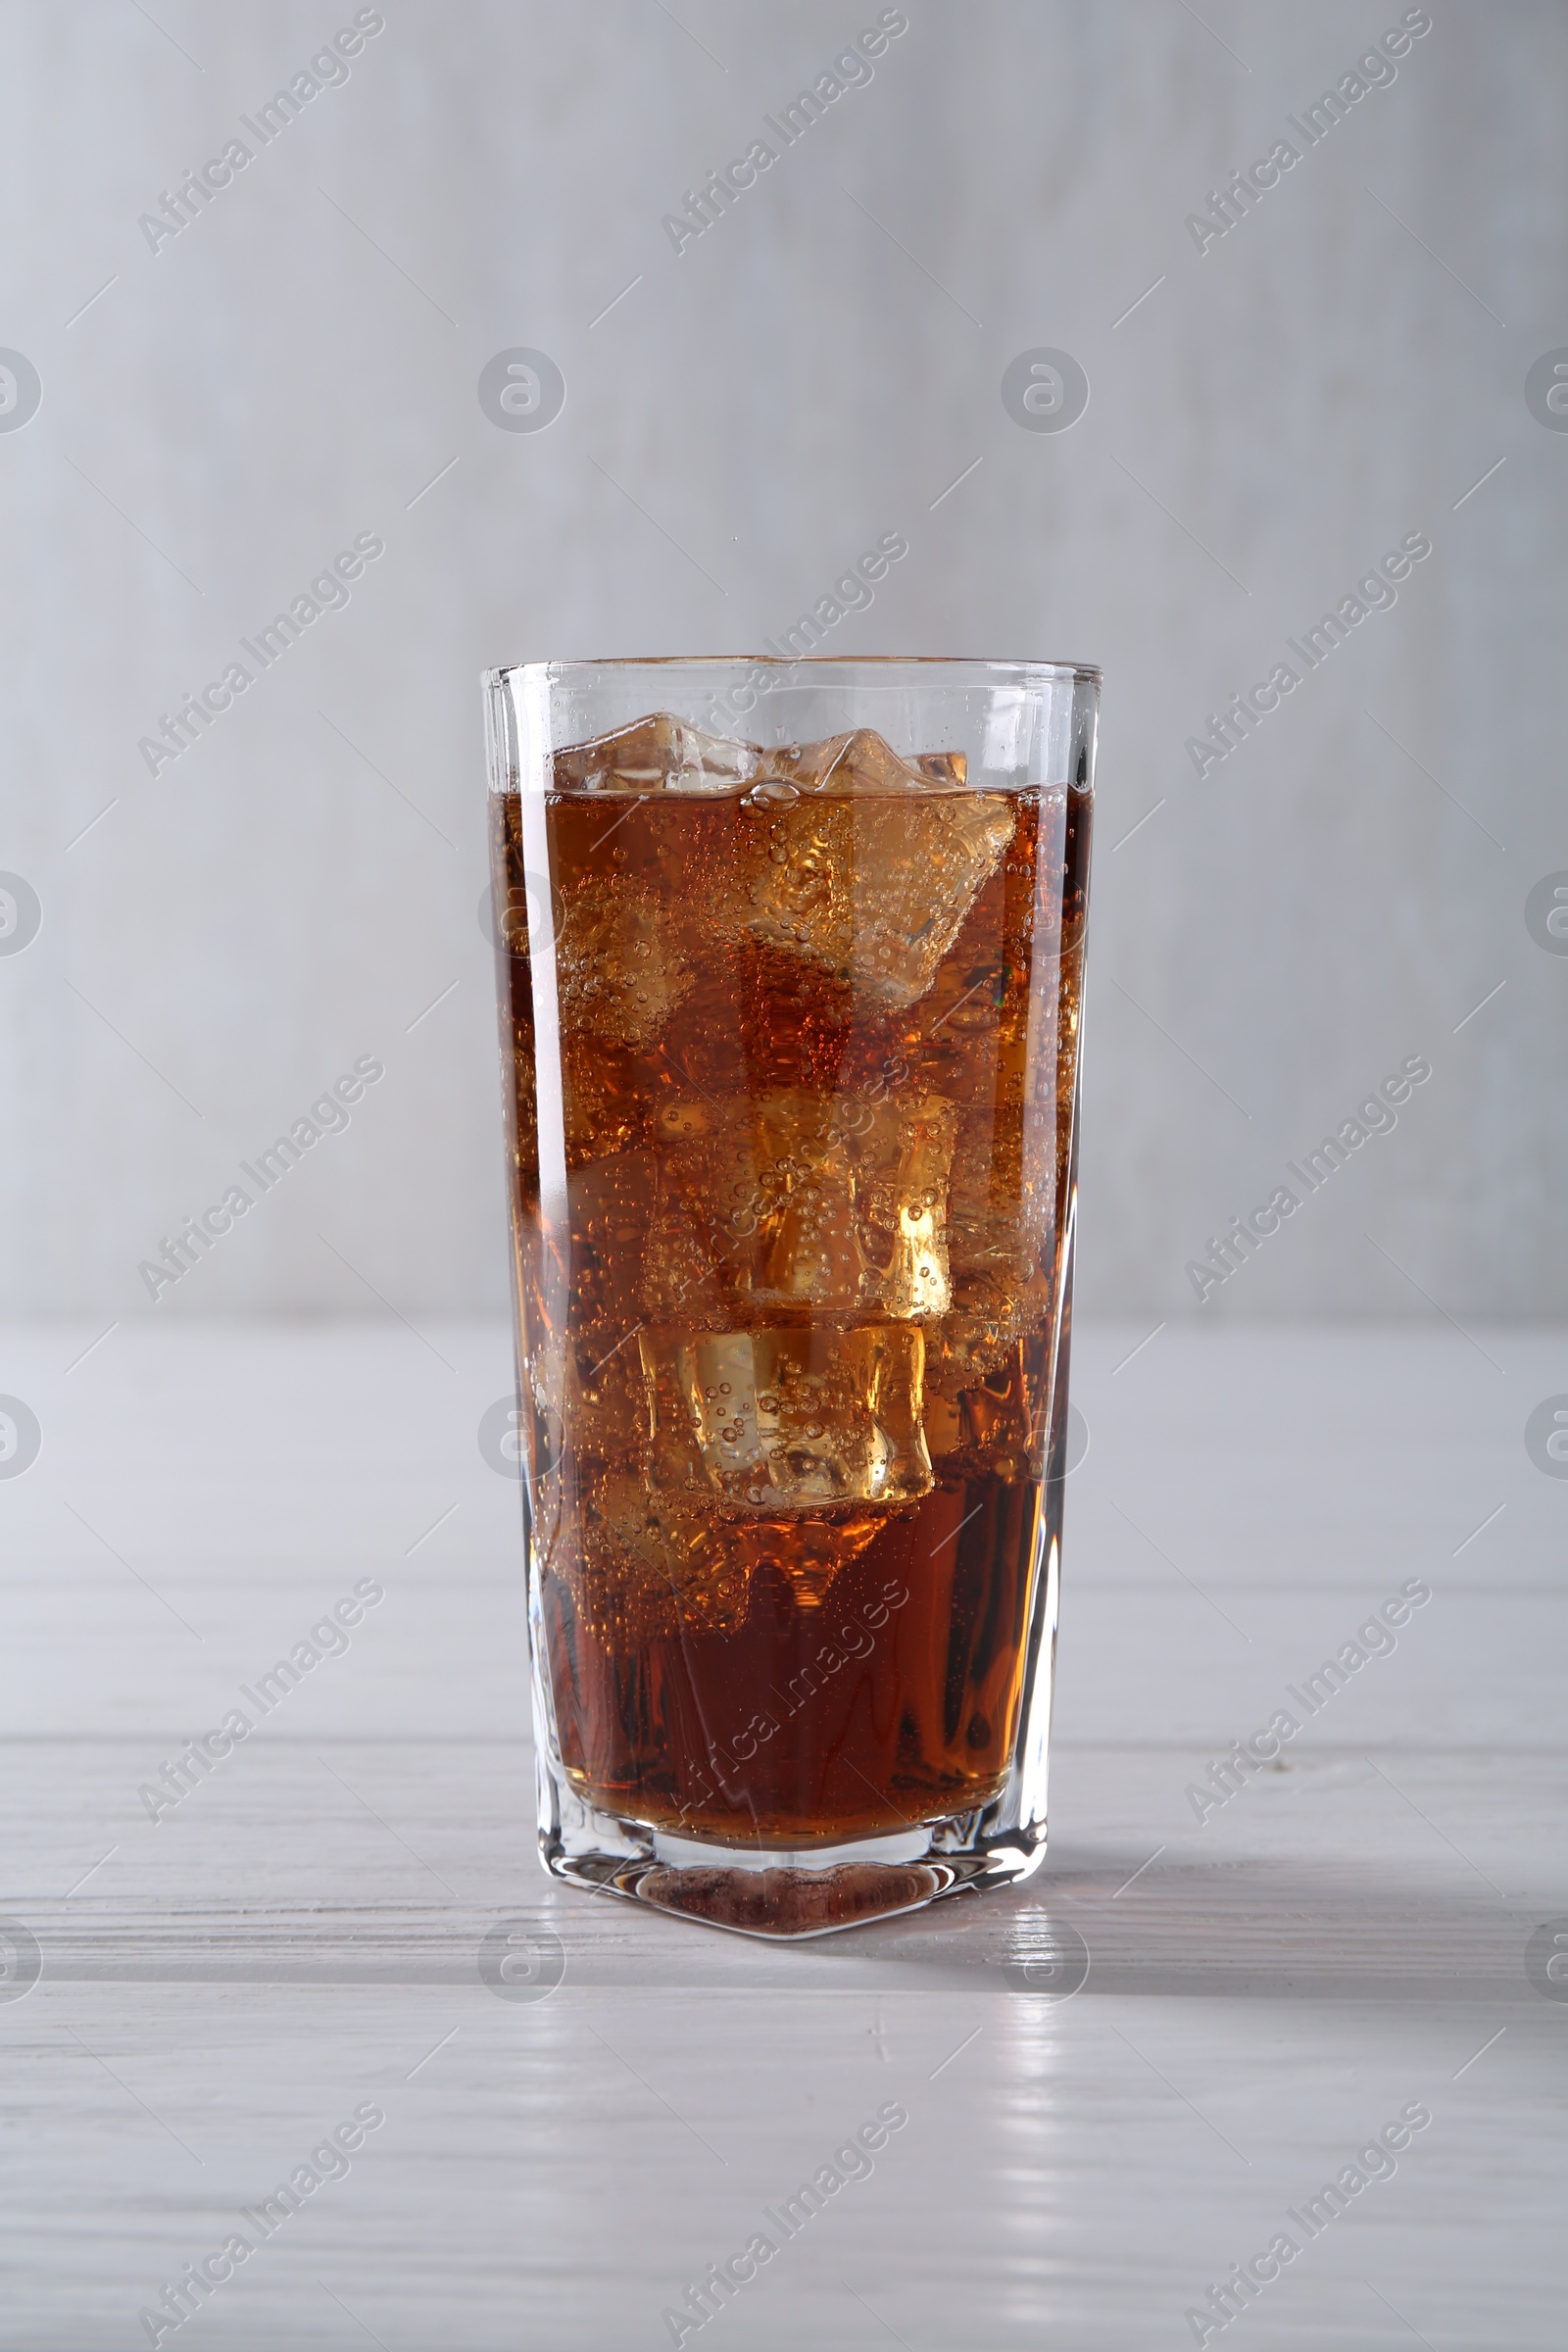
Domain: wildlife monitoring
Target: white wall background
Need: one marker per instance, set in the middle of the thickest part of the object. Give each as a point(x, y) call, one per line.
point(298, 364)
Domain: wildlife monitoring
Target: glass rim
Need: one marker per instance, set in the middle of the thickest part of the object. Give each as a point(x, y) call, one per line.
point(985, 667)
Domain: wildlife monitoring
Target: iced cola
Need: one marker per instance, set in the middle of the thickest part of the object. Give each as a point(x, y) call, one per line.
point(792, 1193)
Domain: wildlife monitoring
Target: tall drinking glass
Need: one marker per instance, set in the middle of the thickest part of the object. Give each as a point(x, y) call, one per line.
point(790, 978)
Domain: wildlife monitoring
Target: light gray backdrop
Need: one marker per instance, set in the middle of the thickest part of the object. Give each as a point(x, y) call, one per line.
point(221, 416)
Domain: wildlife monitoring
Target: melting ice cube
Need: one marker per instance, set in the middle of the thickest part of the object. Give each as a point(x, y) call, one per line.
point(871, 870)
point(790, 1419)
point(657, 754)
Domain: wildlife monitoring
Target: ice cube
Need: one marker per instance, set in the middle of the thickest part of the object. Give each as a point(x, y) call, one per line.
point(703, 1233)
point(813, 1201)
point(763, 1200)
point(789, 1419)
point(905, 1164)
point(809, 1243)
point(981, 1362)
point(944, 768)
point(861, 762)
point(657, 754)
point(992, 1312)
point(807, 1552)
point(660, 1565)
point(640, 1558)
point(871, 871)
point(620, 967)
point(984, 1426)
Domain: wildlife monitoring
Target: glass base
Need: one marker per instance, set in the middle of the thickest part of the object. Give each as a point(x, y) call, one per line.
point(782, 1893)
point(775, 1891)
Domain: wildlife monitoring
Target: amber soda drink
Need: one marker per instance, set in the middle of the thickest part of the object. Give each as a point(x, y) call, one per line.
point(790, 967)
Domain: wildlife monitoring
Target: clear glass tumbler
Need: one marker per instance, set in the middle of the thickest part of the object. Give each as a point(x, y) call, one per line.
point(790, 975)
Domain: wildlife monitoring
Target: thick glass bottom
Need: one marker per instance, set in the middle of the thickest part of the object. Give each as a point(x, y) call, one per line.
point(782, 1892)
point(787, 1888)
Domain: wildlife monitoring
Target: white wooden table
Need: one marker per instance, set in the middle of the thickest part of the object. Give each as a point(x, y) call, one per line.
point(299, 1936)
